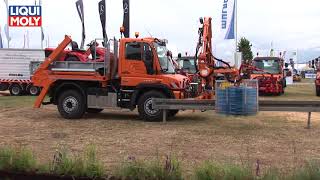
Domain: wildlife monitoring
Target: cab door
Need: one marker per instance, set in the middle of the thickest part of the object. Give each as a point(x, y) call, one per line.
point(138, 64)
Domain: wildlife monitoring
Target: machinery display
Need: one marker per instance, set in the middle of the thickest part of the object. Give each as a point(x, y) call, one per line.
point(139, 70)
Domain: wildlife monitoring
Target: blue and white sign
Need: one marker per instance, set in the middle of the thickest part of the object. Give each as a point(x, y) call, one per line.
point(228, 18)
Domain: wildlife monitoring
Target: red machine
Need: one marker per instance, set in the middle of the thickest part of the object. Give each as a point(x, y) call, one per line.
point(76, 54)
point(269, 73)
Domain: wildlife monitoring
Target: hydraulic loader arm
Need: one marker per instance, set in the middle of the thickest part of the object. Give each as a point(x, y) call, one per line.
point(41, 76)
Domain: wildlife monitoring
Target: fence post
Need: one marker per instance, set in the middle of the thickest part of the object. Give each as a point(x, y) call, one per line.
point(164, 117)
point(309, 121)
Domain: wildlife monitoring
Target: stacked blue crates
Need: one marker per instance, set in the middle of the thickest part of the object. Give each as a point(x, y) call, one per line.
point(237, 100)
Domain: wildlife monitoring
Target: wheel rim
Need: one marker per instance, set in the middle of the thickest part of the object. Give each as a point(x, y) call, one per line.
point(148, 108)
point(70, 104)
point(15, 90)
point(33, 90)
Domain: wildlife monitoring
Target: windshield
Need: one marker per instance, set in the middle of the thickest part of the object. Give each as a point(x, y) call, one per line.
point(187, 64)
point(270, 66)
point(165, 62)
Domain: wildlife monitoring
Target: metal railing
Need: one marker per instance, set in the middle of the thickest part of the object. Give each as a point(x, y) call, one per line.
point(264, 105)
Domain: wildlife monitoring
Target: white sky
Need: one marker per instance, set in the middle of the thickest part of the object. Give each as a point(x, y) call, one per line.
point(289, 24)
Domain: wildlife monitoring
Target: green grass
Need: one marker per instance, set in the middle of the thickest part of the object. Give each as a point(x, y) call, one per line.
point(88, 165)
point(213, 171)
point(21, 160)
point(153, 170)
point(16, 101)
point(84, 165)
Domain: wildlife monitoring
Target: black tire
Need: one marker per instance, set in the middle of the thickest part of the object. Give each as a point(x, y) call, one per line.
point(145, 106)
point(72, 58)
point(94, 110)
point(172, 113)
point(15, 90)
point(71, 104)
point(318, 90)
point(33, 90)
point(4, 86)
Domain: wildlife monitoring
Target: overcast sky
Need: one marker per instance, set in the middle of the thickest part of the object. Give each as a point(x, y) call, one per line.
point(289, 24)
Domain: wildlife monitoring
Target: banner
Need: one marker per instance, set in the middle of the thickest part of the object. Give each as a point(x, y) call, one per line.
point(228, 18)
point(79, 5)
point(102, 12)
point(126, 18)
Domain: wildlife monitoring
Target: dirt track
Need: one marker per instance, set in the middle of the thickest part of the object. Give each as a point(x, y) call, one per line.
point(192, 137)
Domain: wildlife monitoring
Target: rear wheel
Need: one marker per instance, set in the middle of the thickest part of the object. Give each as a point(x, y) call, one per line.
point(94, 110)
point(4, 86)
point(71, 104)
point(33, 90)
point(15, 90)
point(146, 112)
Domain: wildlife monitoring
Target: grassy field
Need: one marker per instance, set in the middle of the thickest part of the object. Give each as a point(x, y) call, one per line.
point(275, 139)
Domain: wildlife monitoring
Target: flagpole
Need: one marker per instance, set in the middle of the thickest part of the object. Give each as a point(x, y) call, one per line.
point(236, 25)
point(8, 38)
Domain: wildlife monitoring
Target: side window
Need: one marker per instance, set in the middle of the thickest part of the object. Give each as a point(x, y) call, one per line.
point(133, 51)
point(147, 52)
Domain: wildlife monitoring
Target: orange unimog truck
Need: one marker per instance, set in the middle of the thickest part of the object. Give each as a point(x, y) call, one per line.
point(136, 70)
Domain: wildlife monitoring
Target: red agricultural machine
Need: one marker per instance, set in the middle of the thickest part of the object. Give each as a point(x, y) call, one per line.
point(269, 73)
point(75, 54)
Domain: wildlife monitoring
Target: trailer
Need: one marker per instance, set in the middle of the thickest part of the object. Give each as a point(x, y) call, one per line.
point(16, 70)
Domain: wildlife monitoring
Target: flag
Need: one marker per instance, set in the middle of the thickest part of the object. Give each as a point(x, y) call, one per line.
point(79, 5)
point(102, 12)
point(126, 18)
point(228, 19)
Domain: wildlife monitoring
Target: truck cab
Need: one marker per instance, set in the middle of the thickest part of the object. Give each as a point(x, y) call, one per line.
point(269, 72)
point(138, 70)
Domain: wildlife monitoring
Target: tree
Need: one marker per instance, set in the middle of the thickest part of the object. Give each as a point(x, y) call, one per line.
point(244, 46)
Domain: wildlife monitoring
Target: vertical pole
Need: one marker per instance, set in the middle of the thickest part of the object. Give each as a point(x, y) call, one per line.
point(164, 118)
point(309, 121)
point(236, 24)
point(8, 29)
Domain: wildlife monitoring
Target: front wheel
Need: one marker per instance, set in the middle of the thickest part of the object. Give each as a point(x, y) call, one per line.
point(146, 112)
point(71, 104)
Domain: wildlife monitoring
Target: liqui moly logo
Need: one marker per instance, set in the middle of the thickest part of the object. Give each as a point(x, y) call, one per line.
point(25, 16)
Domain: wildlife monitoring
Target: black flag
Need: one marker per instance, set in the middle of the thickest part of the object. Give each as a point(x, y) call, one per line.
point(126, 18)
point(102, 12)
point(79, 5)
